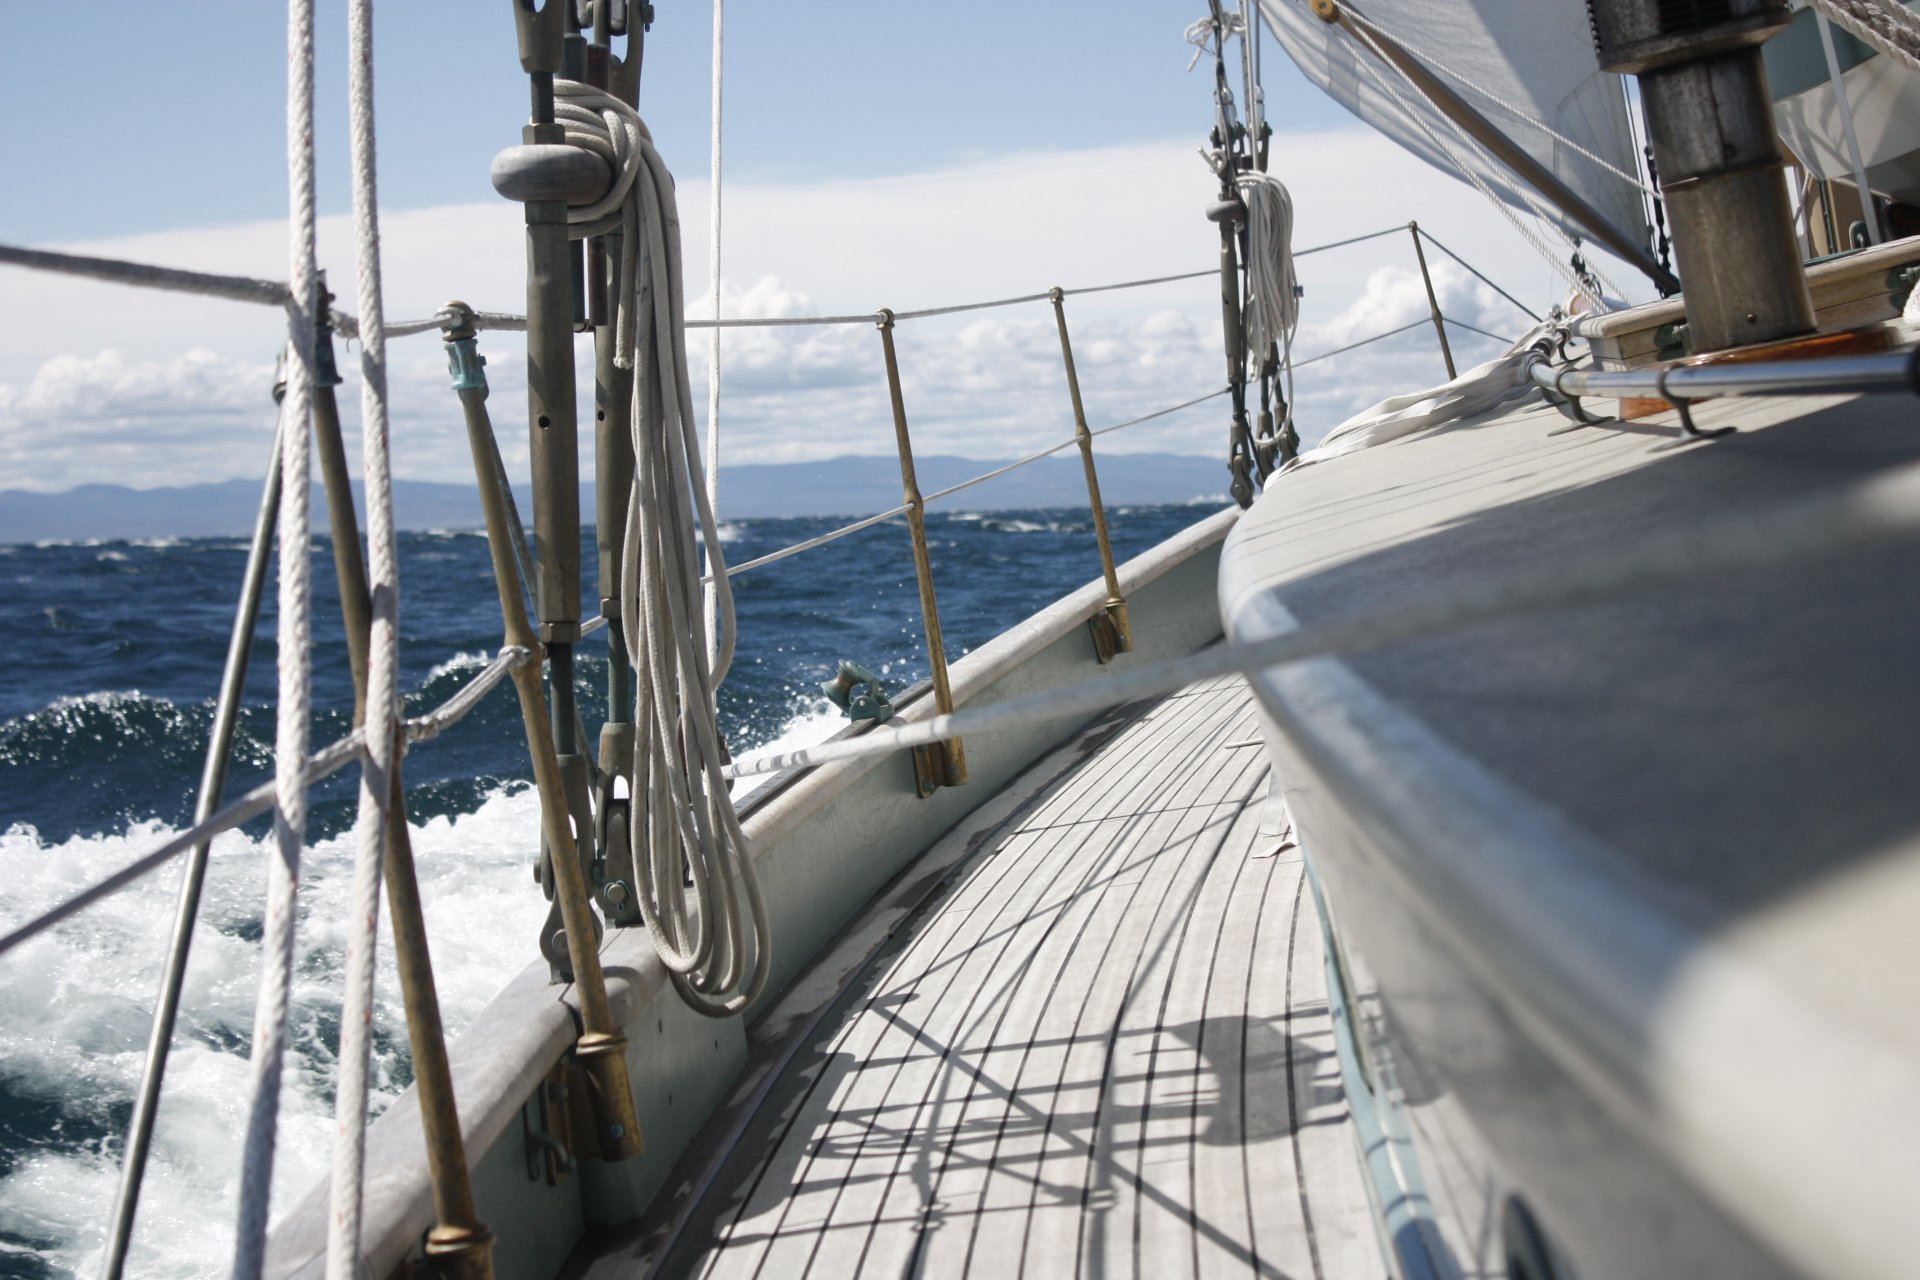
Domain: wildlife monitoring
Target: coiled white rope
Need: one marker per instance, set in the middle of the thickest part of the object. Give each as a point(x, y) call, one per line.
point(268, 1057)
point(1273, 288)
point(715, 940)
point(376, 777)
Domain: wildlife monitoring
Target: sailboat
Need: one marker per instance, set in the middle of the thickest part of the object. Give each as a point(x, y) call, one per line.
point(1492, 852)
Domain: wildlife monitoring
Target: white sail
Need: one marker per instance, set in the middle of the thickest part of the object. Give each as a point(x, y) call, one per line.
point(1519, 63)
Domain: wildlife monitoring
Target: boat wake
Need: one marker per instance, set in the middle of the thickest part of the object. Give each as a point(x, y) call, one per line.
point(76, 1003)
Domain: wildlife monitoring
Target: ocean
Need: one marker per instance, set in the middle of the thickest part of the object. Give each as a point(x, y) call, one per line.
point(114, 655)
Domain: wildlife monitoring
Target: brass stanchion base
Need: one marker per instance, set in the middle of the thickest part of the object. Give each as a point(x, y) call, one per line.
point(460, 1253)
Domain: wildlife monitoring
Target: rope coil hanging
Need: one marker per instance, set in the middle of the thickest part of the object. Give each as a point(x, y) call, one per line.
point(713, 936)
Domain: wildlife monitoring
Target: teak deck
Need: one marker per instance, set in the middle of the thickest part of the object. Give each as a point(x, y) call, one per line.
point(1104, 1049)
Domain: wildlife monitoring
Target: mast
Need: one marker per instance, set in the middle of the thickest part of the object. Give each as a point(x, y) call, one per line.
point(1722, 174)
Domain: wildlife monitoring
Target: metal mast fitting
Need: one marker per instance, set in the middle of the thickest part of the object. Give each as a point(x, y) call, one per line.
point(1721, 171)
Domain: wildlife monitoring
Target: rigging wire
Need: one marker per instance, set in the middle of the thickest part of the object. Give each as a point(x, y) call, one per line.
point(1467, 83)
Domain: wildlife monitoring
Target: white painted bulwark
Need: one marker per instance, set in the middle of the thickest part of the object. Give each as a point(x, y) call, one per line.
point(824, 843)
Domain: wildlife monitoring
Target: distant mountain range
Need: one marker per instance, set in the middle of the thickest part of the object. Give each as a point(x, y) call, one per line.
point(841, 486)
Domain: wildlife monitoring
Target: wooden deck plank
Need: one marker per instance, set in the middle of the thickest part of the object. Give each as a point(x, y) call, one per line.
point(978, 1075)
point(799, 1215)
point(1166, 1222)
point(1090, 1057)
point(1220, 1129)
point(1015, 1178)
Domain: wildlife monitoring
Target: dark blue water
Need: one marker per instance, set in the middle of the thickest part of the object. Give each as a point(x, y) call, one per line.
point(116, 651)
point(114, 654)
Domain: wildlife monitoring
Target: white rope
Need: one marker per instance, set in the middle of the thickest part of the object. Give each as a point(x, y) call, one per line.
point(1273, 288)
point(1866, 514)
point(710, 597)
point(376, 778)
point(1887, 25)
point(715, 940)
point(268, 1057)
point(1207, 36)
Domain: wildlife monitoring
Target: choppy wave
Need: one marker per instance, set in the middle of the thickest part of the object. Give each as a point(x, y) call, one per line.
point(109, 701)
point(75, 1005)
point(460, 662)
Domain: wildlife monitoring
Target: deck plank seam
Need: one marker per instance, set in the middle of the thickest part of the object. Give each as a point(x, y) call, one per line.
point(855, 1019)
point(1196, 719)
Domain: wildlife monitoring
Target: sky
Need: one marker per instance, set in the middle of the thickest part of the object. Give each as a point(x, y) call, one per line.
point(876, 154)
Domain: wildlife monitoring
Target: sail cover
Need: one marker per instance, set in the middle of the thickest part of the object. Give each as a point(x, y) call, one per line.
point(1535, 56)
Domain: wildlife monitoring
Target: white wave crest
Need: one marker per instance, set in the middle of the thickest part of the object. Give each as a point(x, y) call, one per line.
point(75, 1004)
point(460, 662)
point(813, 721)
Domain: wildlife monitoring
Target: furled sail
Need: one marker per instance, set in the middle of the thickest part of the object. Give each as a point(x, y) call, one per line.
point(1521, 64)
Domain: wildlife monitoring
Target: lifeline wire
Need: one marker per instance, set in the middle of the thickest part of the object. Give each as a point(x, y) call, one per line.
point(141, 275)
point(1868, 513)
point(324, 763)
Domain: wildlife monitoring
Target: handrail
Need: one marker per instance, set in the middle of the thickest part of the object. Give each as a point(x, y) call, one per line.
point(1889, 371)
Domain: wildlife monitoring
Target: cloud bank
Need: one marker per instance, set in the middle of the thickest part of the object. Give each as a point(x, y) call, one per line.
point(104, 384)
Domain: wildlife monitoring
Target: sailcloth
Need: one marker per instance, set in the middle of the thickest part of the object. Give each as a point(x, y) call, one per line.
point(1519, 63)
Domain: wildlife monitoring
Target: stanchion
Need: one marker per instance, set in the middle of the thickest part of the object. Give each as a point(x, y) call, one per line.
point(941, 764)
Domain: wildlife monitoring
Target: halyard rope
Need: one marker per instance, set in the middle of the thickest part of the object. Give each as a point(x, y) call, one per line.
point(268, 1057)
point(377, 759)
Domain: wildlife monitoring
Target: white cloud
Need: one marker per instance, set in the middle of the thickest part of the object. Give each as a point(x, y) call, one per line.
point(100, 383)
